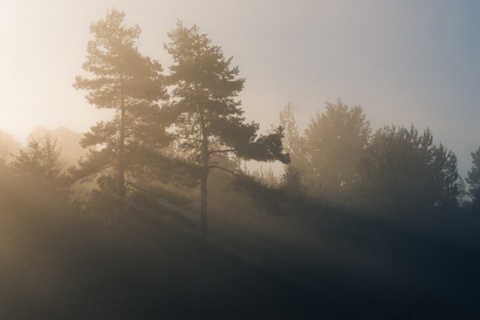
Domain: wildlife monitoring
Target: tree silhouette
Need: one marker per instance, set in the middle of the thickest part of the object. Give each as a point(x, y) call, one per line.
point(9, 146)
point(463, 198)
point(335, 140)
point(473, 179)
point(209, 118)
point(129, 83)
point(402, 171)
point(293, 179)
point(40, 174)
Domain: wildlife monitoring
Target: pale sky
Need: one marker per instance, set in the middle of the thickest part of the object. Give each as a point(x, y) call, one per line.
point(403, 61)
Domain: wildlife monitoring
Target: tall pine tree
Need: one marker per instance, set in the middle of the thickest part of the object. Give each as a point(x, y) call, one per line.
point(122, 79)
point(210, 120)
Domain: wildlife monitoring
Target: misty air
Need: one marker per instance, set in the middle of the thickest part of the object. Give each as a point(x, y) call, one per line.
point(163, 180)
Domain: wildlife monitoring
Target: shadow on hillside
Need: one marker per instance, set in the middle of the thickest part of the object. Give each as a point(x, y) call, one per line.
point(336, 265)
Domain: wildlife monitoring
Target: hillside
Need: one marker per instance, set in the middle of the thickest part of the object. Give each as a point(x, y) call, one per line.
point(333, 265)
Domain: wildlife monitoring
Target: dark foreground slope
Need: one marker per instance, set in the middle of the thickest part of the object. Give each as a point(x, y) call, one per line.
point(331, 265)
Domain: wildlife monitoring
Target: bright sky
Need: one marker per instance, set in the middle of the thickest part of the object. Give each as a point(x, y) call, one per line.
point(403, 61)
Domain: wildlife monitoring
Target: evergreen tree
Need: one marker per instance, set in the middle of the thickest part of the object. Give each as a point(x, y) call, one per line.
point(463, 198)
point(9, 146)
point(131, 84)
point(294, 176)
point(404, 172)
point(209, 118)
point(335, 140)
point(40, 176)
point(473, 179)
point(292, 141)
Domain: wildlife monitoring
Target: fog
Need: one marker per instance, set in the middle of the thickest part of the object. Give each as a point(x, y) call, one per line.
point(164, 200)
point(269, 253)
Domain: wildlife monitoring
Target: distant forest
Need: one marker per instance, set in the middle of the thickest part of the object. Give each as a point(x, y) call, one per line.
point(153, 212)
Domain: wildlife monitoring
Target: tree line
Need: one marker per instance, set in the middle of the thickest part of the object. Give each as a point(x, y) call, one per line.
point(167, 129)
point(172, 130)
point(396, 170)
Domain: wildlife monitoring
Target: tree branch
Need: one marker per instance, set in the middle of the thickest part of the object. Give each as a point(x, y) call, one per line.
point(223, 169)
point(222, 151)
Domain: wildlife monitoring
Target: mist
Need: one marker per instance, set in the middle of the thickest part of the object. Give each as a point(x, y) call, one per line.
point(154, 211)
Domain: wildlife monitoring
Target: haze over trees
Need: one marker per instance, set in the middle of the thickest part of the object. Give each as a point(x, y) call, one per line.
point(335, 140)
point(350, 225)
point(394, 171)
point(41, 174)
point(67, 141)
point(9, 146)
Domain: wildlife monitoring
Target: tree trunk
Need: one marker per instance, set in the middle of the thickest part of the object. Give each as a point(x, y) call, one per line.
point(203, 207)
point(121, 162)
point(203, 181)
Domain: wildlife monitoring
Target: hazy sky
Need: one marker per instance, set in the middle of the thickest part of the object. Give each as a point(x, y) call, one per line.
point(403, 61)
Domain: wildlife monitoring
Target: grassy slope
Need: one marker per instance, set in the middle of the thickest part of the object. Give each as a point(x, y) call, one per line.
point(258, 266)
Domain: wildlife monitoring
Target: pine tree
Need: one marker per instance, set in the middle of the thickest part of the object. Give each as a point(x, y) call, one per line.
point(404, 172)
point(294, 176)
point(131, 84)
point(40, 175)
point(473, 179)
point(210, 120)
point(335, 140)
